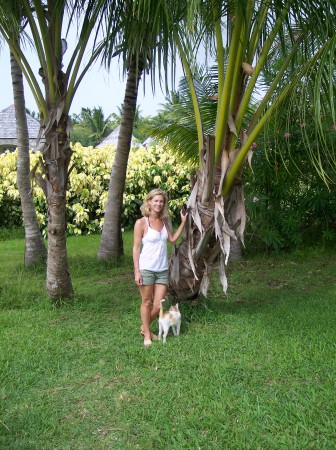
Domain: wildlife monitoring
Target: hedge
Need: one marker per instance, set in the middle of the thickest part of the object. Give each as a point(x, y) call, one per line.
point(148, 167)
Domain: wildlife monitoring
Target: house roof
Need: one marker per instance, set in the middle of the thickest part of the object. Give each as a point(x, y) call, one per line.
point(8, 125)
point(148, 141)
point(112, 139)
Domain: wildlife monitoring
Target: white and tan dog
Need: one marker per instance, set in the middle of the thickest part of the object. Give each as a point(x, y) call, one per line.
point(171, 318)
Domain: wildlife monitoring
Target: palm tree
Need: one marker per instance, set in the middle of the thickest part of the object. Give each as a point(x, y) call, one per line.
point(93, 123)
point(176, 126)
point(46, 22)
point(252, 32)
point(141, 123)
point(178, 130)
point(111, 243)
point(33, 114)
point(145, 36)
point(34, 245)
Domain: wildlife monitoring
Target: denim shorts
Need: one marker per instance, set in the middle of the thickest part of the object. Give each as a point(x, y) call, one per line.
point(149, 277)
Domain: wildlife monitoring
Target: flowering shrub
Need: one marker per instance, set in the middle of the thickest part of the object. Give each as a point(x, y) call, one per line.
point(88, 186)
point(10, 208)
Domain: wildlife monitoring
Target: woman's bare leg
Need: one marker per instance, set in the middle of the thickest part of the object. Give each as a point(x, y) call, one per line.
point(145, 309)
point(160, 291)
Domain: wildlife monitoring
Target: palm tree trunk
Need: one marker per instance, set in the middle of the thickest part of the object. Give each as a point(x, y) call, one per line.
point(111, 243)
point(57, 161)
point(213, 222)
point(34, 245)
point(236, 250)
point(237, 201)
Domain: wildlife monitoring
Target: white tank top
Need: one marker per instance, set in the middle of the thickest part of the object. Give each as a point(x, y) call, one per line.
point(154, 255)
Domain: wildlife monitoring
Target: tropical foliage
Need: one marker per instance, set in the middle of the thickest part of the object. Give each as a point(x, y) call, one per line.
point(88, 185)
point(285, 209)
point(141, 126)
point(287, 200)
point(90, 126)
point(48, 23)
point(245, 39)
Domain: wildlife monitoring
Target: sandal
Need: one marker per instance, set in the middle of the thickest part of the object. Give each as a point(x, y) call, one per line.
point(147, 342)
point(152, 335)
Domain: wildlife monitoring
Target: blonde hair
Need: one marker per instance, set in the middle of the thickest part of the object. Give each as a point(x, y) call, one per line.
point(146, 209)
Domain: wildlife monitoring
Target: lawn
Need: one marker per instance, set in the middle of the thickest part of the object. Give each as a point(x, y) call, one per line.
point(251, 370)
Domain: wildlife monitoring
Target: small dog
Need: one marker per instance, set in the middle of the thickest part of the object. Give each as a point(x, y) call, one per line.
point(171, 318)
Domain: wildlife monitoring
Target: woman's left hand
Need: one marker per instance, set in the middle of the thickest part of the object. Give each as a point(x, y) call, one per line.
point(183, 215)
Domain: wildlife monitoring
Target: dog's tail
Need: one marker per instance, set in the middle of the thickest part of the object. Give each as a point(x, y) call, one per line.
point(161, 309)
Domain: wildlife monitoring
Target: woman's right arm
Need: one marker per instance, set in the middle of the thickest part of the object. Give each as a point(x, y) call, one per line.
point(138, 233)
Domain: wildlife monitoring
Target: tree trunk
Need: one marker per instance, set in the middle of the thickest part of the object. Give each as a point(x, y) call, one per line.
point(111, 243)
point(236, 250)
point(56, 155)
point(212, 223)
point(57, 163)
point(34, 245)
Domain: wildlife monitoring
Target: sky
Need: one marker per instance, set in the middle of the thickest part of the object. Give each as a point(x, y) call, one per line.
point(98, 88)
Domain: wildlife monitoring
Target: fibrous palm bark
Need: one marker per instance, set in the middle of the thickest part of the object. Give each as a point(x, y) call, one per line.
point(207, 241)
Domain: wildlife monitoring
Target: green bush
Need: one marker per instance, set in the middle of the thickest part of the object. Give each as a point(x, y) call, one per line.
point(287, 208)
point(284, 209)
point(10, 207)
point(88, 187)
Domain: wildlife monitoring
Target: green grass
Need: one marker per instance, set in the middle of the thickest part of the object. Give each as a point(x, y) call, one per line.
point(251, 370)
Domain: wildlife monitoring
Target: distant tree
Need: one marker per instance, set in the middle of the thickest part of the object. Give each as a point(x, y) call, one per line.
point(33, 114)
point(141, 124)
point(81, 134)
point(90, 126)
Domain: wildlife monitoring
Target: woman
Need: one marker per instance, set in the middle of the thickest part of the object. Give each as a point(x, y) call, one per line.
point(151, 263)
